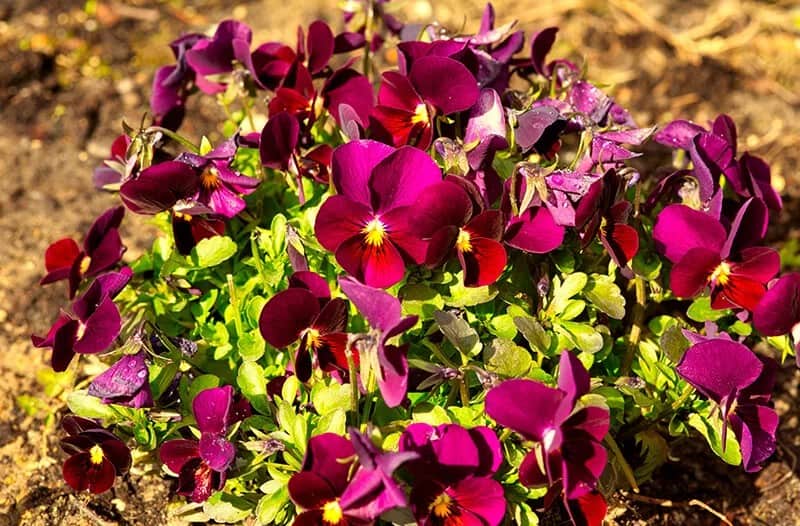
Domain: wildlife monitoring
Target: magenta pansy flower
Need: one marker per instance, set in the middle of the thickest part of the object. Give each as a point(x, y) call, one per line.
point(704, 254)
point(172, 84)
point(202, 465)
point(217, 55)
point(306, 312)
point(102, 249)
point(741, 383)
point(778, 311)
point(97, 456)
point(366, 225)
point(383, 312)
point(571, 452)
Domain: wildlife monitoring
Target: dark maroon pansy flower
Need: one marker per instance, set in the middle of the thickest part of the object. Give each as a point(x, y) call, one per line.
point(172, 84)
point(160, 187)
point(102, 249)
point(220, 187)
point(778, 311)
point(741, 383)
point(408, 105)
point(202, 465)
point(542, 42)
point(306, 313)
point(453, 224)
point(383, 312)
point(366, 224)
point(97, 456)
point(571, 453)
point(127, 383)
point(116, 166)
point(475, 501)
point(607, 213)
point(92, 325)
point(704, 254)
point(539, 129)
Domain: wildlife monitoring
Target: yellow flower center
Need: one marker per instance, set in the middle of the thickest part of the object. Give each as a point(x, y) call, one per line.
point(721, 274)
point(374, 232)
point(312, 338)
point(209, 179)
point(96, 455)
point(85, 262)
point(81, 330)
point(442, 506)
point(463, 241)
point(332, 512)
point(420, 114)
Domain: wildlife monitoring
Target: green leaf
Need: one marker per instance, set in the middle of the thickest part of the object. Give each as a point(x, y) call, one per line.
point(421, 300)
point(572, 284)
point(531, 330)
point(673, 343)
point(711, 429)
point(582, 335)
point(333, 422)
point(572, 309)
point(80, 403)
point(605, 295)
point(253, 384)
point(226, 508)
point(212, 251)
point(461, 296)
point(655, 452)
point(700, 310)
point(271, 504)
point(458, 332)
point(506, 358)
point(251, 346)
point(330, 398)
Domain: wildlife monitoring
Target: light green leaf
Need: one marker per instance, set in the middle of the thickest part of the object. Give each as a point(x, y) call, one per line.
point(253, 384)
point(226, 508)
point(212, 251)
point(573, 284)
point(582, 335)
point(605, 295)
point(458, 332)
point(711, 429)
point(506, 358)
point(80, 403)
point(421, 300)
point(251, 345)
point(329, 398)
point(271, 504)
point(700, 310)
point(461, 296)
point(531, 329)
point(333, 422)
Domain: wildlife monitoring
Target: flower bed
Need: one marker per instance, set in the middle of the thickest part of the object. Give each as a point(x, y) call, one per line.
point(474, 261)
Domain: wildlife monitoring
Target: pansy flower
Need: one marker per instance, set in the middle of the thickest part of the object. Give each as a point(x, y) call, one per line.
point(388, 362)
point(329, 496)
point(484, 136)
point(102, 249)
point(453, 224)
point(568, 440)
point(215, 56)
point(220, 187)
point(408, 105)
point(705, 255)
point(306, 312)
point(741, 383)
point(366, 224)
point(92, 324)
point(452, 477)
point(172, 84)
point(127, 383)
point(778, 311)
point(530, 224)
point(202, 465)
point(97, 456)
point(116, 166)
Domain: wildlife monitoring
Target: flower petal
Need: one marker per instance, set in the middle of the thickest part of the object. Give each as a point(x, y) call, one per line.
point(286, 315)
point(525, 406)
point(211, 408)
point(377, 266)
point(176, 453)
point(445, 83)
point(719, 368)
point(534, 231)
point(484, 264)
point(690, 275)
point(401, 177)
point(442, 204)
point(216, 451)
point(352, 166)
point(679, 229)
point(779, 309)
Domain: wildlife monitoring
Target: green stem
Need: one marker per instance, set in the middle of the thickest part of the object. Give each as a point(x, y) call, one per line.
point(262, 272)
point(351, 367)
point(636, 328)
point(175, 137)
point(626, 468)
point(440, 355)
point(237, 318)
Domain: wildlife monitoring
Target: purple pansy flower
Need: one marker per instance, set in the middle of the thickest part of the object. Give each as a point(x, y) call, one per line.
point(539, 129)
point(102, 249)
point(383, 312)
point(216, 55)
point(704, 254)
point(741, 383)
point(92, 325)
point(778, 311)
point(571, 452)
point(202, 465)
point(220, 186)
point(452, 481)
point(125, 383)
point(485, 135)
point(454, 224)
point(116, 166)
point(97, 455)
point(306, 312)
point(533, 228)
point(172, 84)
point(366, 224)
point(327, 494)
point(407, 105)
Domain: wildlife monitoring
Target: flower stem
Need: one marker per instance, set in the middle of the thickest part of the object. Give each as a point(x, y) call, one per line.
point(237, 318)
point(626, 468)
point(175, 137)
point(636, 328)
point(351, 368)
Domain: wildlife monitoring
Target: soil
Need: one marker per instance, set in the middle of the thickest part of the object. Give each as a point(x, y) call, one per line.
point(73, 69)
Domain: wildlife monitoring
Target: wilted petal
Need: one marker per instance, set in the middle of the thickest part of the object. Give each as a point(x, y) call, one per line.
point(535, 123)
point(122, 380)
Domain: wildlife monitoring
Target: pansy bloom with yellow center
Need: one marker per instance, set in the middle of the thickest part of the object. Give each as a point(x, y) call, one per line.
point(306, 312)
point(704, 255)
point(367, 224)
point(97, 455)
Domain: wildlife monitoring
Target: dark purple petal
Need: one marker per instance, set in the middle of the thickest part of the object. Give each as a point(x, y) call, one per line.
point(211, 408)
point(756, 173)
point(100, 329)
point(286, 315)
point(443, 204)
point(678, 134)
point(534, 231)
point(445, 83)
point(393, 382)
point(216, 451)
point(748, 227)
point(679, 229)
point(328, 455)
point(530, 419)
point(159, 187)
point(779, 309)
point(123, 380)
point(81, 474)
point(381, 309)
point(105, 223)
point(541, 43)
point(310, 491)
point(573, 378)
point(176, 453)
point(755, 427)
point(320, 46)
point(348, 88)
point(312, 282)
point(279, 139)
point(690, 275)
point(401, 177)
